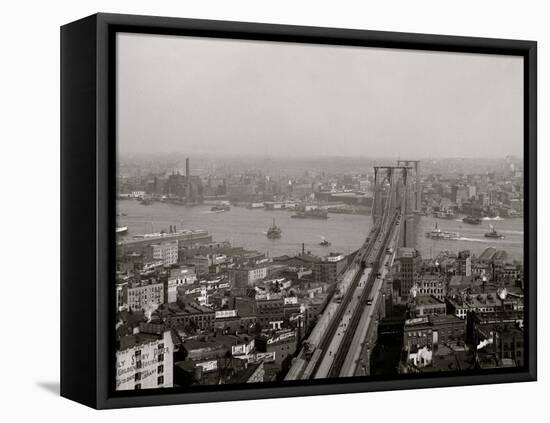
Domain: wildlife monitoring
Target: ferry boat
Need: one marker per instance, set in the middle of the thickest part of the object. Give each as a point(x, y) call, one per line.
point(437, 233)
point(121, 230)
point(311, 214)
point(255, 206)
point(444, 215)
point(493, 233)
point(274, 231)
point(472, 220)
point(221, 208)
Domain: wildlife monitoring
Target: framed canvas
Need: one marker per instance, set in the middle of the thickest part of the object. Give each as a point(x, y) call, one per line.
point(257, 211)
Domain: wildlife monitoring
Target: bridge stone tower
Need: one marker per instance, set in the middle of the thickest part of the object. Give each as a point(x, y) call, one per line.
point(395, 183)
point(417, 190)
point(384, 189)
point(391, 182)
point(411, 215)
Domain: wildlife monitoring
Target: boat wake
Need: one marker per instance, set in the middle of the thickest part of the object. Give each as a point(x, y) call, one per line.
point(493, 218)
point(462, 238)
point(485, 240)
point(512, 232)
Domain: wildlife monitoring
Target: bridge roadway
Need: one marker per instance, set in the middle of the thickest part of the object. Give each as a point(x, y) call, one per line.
point(364, 296)
point(325, 350)
point(310, 356)
point(326, 363)
point(359, 342)
point(346, 292)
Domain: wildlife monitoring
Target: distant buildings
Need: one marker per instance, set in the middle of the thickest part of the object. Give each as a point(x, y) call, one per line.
point(464, 263)
point(504, 342)
point(167, 252)
point(146, 294)
point(188, 314)
point(483, 303)
point(281, 345)
point(351, 198)
point(236, 316)
point(329, 268)
point(460, 194)
point(426, 305)
point(431, 285)
point(433, 331)
point(270, 312)
point(408, 263)
point(179, 277)
point(137, 194)
point(247, 276)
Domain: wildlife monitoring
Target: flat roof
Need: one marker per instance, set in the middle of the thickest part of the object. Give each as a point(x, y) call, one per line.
point(130, 341)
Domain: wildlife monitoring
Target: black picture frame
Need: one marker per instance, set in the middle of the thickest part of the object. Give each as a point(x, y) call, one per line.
point(88, 154)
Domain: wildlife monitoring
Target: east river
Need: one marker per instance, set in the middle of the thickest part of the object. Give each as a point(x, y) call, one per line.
point(247, 228)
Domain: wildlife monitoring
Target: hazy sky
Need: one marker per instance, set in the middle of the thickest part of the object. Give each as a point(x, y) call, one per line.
point(199, 95)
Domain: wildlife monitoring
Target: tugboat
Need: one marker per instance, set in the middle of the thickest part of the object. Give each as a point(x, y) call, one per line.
point(437, 233)
point(324, 242)
point(222, 207)
point(472, 220)
point(274, 231)
point(493, 233)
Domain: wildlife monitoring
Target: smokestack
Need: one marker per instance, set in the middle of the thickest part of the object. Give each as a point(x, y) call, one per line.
point(187, 181)
point(303, 248)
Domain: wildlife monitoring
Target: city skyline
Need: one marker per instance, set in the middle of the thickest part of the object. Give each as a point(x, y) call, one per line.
point(246, 279)
point(183, 154)
point(282, 99)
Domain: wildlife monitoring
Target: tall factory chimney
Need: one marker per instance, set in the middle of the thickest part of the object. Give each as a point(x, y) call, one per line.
point(187, 180)
point(418, 188)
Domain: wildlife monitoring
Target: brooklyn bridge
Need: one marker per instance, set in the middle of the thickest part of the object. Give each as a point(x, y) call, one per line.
point(345, 334)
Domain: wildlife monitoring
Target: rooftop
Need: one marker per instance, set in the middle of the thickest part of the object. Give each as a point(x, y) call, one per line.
point(131, 341)
point(434, 320)
point(487, 254)
point(187, 308)
point(427, 300)
point(245, 374)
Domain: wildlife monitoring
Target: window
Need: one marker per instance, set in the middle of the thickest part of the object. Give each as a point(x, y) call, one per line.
point(160, 369)
point(137, 376)
point(161, 358)
point(137, 386)
point(160, 380)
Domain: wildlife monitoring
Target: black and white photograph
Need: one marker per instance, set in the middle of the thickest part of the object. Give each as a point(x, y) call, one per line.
point(275, 211)
point(297, 213)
